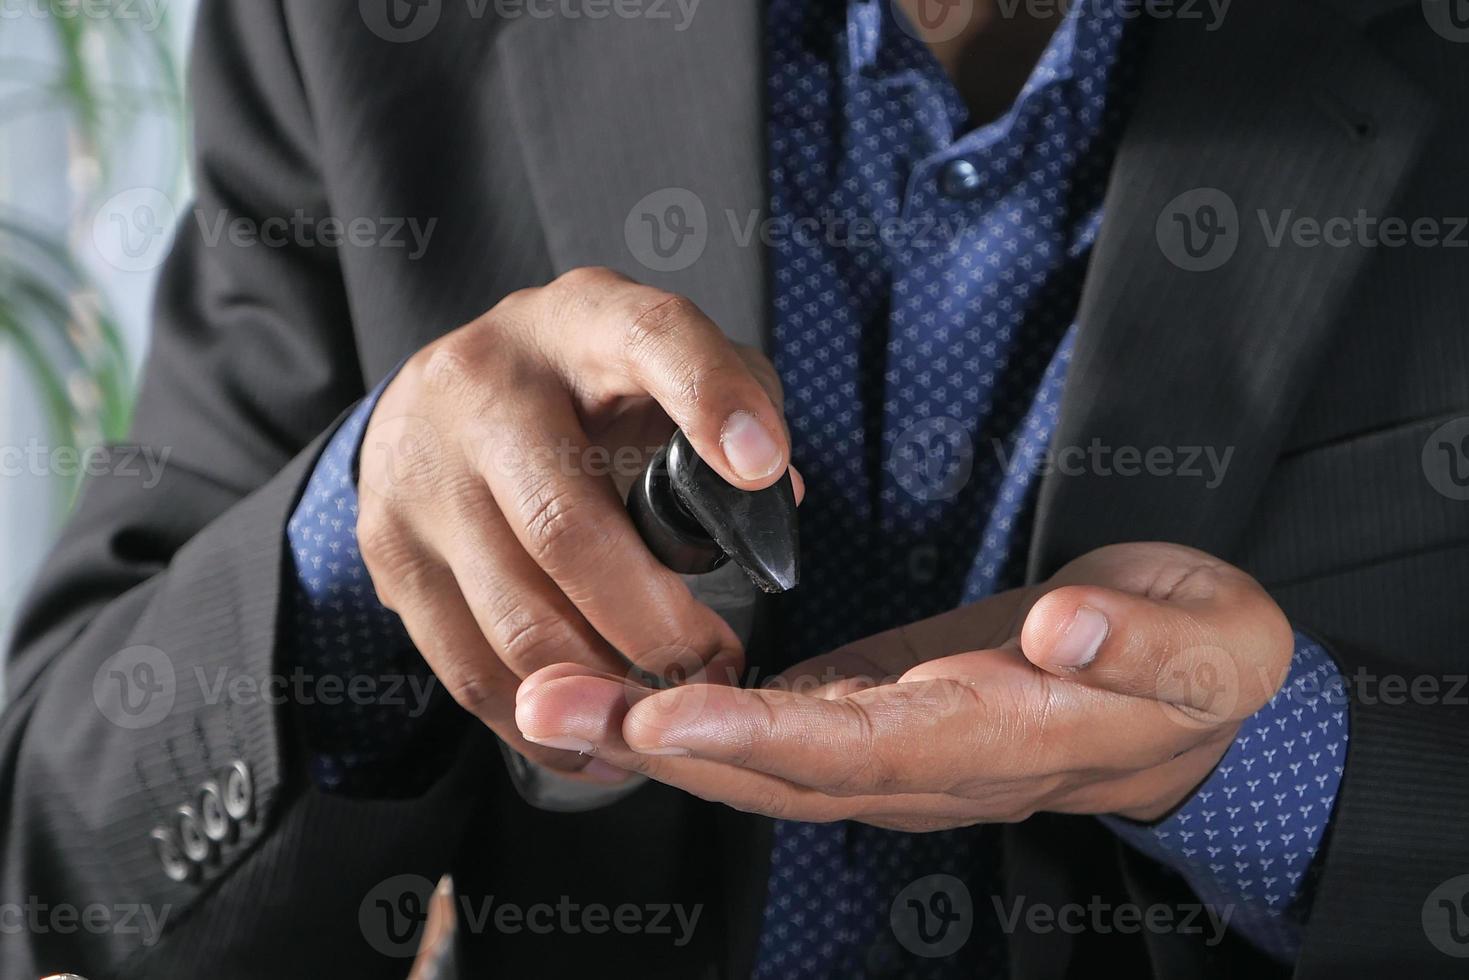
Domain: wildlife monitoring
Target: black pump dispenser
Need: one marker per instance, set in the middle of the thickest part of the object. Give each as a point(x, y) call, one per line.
point(693, 521)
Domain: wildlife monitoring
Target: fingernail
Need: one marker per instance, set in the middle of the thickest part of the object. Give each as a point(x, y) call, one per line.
point(749, 447)
point(1078, 646)
point(568, 742)
point(604, 772)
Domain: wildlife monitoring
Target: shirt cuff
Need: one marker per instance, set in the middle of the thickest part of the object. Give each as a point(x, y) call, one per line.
point(1245, 841)
point(370, 709)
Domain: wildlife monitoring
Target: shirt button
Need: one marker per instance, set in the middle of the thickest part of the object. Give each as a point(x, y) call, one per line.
point(960, 178)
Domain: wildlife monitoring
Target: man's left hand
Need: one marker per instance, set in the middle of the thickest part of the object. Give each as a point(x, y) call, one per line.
point(1115, 687)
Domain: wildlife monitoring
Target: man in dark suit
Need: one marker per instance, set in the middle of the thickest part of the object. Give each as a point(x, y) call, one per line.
point(1120, 352)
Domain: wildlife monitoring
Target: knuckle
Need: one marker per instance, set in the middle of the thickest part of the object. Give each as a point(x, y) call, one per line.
point(654, 321)
point(771, 801)
point(864, 770)
point(559, 536)
point(589, 277)
point(1049, 741)
point(532, 638)
point(450, 370)
point(385, 554)
point(404, 582)
point(469, 689)
point(515, 301)
point(377, 534)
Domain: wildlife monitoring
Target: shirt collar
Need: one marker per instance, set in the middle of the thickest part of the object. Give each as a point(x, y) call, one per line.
point(884, 48)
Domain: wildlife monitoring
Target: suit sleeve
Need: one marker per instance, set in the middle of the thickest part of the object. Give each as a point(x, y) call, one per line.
point(152, 783)
point(1393, 896)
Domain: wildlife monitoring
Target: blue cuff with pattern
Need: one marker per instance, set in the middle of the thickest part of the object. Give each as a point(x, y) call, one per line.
point(1245, 841)
point(373, 715)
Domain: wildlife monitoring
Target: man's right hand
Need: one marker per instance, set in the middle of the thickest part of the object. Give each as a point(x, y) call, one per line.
point(501, 541)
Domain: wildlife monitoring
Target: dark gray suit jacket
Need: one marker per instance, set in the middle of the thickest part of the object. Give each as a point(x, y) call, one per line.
point(529, 139)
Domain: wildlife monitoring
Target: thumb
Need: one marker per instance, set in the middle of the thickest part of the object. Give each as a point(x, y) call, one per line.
point(1216, 646)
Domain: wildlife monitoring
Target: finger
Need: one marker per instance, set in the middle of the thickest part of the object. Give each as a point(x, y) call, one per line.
point(556, 672)
point(1049, 726)
point(1213, 644)
point(528, 621)
point(765, 373)
point(628, 339)
point(896, 738)
point(590, 709)
point(444, 630)
point(575, 528)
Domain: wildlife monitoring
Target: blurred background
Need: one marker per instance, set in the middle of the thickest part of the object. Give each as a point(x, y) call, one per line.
point(93, 141)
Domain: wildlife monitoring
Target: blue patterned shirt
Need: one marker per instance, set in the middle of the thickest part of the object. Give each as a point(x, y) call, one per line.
point(923, 333)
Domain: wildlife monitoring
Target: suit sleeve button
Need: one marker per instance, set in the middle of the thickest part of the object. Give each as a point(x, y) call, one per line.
point(212, 814)
point(190, 827)
point(175, 865)
point(239, 792)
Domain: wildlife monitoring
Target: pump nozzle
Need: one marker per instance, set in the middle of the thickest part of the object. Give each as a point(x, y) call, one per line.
point(694, 521)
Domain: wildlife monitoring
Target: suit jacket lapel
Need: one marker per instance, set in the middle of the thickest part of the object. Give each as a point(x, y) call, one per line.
point(676, 109)
point(1284, 111)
